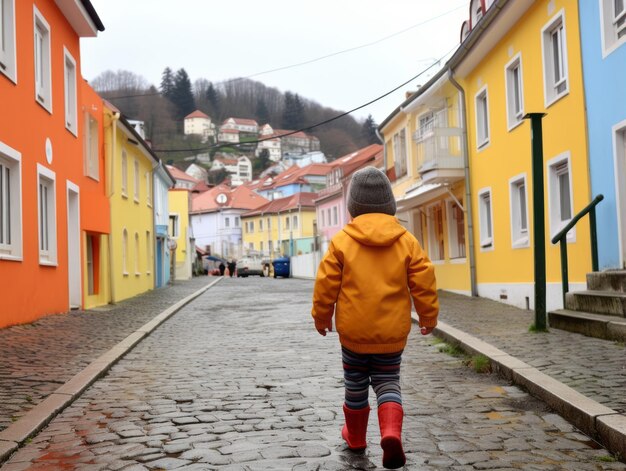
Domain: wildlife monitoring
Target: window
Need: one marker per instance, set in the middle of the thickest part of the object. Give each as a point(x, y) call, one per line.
point(613, 24)
point(46, 196)
point(286, 222)
point(125, 252)
point(136, 180)
point(92, 163)
point(261, 246)
point(124, 174)
point(399, 152)
point(456, 229)
point(560, 194)
point(435, 232)
point(251, 226)
point(261, 225)
point(7, 39)
point(237, 221)
point(226, 222)
point(482, 118)
point(514, 92)
point(174, 229)
point(323, 218)
point(519, 212)
point(328, 216)
point(137, 254)
point(269, 224)
point(71, 121)
point(270, 247)
point(91, 256)
point(295, 221)
point(554, 59)
point(149, 188)
point(486, 219)
point(148, 253)
point(43, 81)
point(335, 216)
point(10, 203)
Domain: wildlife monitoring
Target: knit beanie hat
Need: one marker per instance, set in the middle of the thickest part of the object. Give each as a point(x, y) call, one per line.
point(370, 192)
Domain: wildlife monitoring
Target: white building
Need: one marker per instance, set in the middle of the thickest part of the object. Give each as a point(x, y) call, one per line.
point(199, 124)
point(238, 168)
point(240, 124)
point(228, 135)
point(302, 160)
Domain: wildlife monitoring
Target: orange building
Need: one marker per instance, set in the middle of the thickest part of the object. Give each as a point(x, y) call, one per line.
point(50, 194)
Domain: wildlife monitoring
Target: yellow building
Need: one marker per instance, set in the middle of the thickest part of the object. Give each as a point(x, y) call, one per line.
point(524, 58)
point(425, 160)
point(282, 227)
point(183, 249)
point(128, 166)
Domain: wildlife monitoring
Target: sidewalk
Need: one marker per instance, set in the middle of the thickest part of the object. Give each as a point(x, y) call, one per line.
point(583, 378)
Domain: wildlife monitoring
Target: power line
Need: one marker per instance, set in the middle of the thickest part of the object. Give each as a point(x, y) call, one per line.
point(341, 115)
point(310, 61)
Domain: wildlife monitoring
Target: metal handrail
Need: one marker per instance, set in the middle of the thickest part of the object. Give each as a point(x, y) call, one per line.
point(562, 238)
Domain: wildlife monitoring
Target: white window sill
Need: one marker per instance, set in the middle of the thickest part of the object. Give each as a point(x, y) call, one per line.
point(124, 195)
point(483, 145)
point(438, 262)
point(96, 179)
point(125, 273)
point(136, 200)
point(72, 129)
point(9, 73)
point(553, 99)
point(47, 263)
point(10, 258)
point(458, 261)
point(515, 124)
point(137, 273)
point(43, 105)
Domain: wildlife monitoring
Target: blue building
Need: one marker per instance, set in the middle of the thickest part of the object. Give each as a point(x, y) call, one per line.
point(603, 41)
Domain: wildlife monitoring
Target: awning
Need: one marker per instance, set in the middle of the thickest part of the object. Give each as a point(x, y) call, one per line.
point(415, 197)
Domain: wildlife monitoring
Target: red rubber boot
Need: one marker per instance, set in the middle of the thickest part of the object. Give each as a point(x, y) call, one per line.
point(355, 429)
point(390, 421)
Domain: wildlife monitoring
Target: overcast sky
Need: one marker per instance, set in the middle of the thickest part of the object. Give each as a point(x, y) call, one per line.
point(219, 40)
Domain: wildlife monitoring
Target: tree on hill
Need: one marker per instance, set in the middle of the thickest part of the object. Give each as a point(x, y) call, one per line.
point(182, 95)
point(261, 162)
point(213, 98)
point(167, 83)
point(293, 114)
point(262, 114)
point(369, 131)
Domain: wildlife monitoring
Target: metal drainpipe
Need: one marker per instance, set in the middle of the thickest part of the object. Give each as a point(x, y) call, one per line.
point(382, 140)
point(468, 193)
point(114, 118)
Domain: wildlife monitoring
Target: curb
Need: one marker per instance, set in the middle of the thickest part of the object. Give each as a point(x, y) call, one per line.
point(600, 422)
point(39, 416)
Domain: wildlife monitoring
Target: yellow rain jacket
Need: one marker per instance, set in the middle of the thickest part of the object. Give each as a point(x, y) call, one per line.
point(368, 276)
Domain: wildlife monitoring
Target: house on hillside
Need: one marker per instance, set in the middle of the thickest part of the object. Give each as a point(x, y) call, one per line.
point(182, 179)
point(216, 218)
point(330, 204)
point(239, 169)
point(309, 179)
point(228, 136)
point(282, 227)
point(199, 124)
point(249, 126)
point(302, 160)
point(52, 192)
point(192, 169)
point(280, 142)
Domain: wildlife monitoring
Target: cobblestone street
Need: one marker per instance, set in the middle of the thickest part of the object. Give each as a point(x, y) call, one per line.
point(240, 380)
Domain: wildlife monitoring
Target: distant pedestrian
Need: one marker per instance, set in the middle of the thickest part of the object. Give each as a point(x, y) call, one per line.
point(222, 268)
point(232, 265)
point(372, 270)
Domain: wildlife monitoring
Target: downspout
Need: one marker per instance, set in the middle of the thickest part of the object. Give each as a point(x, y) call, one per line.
point(468, 193)
point(380, 136)
point(114, 118)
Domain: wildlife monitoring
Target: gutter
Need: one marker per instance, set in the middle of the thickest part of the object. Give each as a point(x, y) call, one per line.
point(468, 193)
point(114, 118)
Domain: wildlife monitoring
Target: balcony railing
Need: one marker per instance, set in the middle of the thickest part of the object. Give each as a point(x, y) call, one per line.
point(440, 154)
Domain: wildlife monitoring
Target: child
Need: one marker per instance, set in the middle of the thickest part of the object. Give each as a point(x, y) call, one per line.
point(368, 276)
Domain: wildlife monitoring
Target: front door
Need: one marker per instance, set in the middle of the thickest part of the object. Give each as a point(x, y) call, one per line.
point(73, 245)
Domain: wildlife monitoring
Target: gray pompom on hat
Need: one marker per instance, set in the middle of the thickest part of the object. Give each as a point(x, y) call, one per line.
point(370, 192)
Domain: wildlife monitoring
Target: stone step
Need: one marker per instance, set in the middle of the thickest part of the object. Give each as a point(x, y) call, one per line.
point(589, 324)
point(598, 302)
point(610, 280)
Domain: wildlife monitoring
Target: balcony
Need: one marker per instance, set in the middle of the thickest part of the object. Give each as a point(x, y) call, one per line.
point(440, 154)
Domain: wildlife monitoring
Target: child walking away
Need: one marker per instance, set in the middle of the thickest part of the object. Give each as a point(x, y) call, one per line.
point(372, 270)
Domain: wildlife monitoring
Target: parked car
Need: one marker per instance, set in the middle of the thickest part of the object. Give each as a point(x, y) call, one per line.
point(253, 266)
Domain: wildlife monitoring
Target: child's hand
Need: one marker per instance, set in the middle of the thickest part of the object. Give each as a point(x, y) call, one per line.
point(322, 327)
point(426, 330)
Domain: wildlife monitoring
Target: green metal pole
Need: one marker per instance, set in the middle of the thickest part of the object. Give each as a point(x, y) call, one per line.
point(594, 239)
point(539, 226)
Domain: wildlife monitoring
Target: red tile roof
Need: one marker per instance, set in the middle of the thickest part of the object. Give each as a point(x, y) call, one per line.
point(180, 175)
point(231, 131)
point(353, 161)
point(240, 197)
point(242, 121)
point(295, 174)
point(197, 114)
point(302, 200)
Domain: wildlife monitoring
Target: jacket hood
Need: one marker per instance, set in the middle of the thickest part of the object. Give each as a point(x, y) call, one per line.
point(375, 229)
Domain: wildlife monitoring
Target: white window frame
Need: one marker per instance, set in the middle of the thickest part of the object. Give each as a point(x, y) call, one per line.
point(175, 226)
point(149, 253)
point(124, 252)
point(481, 102)
point(514, 117)
point(400, 153)
point(46, 216)
point(124, 174)
point(91, 146)
point(453, 234)
point(520, 235)
point(7, 40)
point(226, 221)
point(433, 239)
point(619, 164)
point(294, 223)
point(136, 180)
point(137, 272)
point(261, 224)
point(71, 92)
point(335, 216)
point(612, 24)
point(550, 84)
point(43, 61)
point(554, 168)
point(485, 219)
point(149, 188)
point(10, 204)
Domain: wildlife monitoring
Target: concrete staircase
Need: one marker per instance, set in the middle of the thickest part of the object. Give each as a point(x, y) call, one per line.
point(600, 311)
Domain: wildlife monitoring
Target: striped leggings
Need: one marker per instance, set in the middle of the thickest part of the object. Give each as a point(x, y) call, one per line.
point(381, 370)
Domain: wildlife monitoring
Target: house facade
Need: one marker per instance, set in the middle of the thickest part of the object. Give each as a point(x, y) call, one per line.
point(199, 124)
point(43, 214)
point(239, 168)
point(241, 125)
point(603, 41)
point(163, 181)
point(181, 241)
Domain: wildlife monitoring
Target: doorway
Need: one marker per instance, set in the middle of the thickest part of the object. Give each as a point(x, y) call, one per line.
point(620, 187)
point(73, 246)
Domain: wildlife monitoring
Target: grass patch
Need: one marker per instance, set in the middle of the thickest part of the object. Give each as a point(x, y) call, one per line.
point(14, 418)
point(606, 459)
point(480, 363)
point(29, 399)
point(437, 341)
point(534, 330)
point(453, 350)
point(620, 344)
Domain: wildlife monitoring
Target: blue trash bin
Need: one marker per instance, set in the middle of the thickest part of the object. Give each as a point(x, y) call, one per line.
point(281, 267)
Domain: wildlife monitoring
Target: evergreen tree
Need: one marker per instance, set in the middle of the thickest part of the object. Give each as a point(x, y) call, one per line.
point(182, 94)
point(368, 131)
point(262, 113)
point(293, 113)
point(167, 83)
point(261, 162)
point(214, 102)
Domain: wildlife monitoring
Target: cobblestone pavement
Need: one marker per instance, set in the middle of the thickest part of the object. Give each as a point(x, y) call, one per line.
point(594, 367)
point(37, 358)
point(240, 380)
